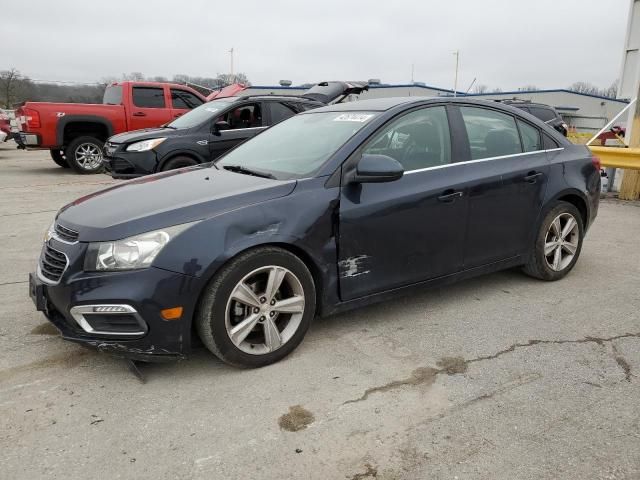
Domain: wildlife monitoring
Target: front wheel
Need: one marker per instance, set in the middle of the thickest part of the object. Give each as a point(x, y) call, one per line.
point(58, 157)
point(258, 308)
point(558, 243)
point(84, 155)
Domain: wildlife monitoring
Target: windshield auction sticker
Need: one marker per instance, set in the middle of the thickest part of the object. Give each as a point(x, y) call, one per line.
point(353, 117)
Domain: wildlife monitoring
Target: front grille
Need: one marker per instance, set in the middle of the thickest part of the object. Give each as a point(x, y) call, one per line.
point(52, 264)
point(66, 234)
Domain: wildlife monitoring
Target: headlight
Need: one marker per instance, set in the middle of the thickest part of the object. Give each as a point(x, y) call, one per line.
point(145, 145)
point(130, 253)
point(50, 231)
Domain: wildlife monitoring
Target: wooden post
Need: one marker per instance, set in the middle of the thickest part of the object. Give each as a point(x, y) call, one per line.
point(630, 187)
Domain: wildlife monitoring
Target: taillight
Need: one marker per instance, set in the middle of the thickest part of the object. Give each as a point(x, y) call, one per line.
point(596, 162)
point(31, 117)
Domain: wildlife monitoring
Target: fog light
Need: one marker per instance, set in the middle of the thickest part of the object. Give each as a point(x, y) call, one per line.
point(110, 309)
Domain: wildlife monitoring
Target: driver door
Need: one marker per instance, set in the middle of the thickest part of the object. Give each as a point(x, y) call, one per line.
point(412, 229)
point(244, 121)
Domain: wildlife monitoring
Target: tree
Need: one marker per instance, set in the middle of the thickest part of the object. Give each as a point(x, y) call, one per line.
point(481, 89)
point(530, 88)
point(9, 86)
point(133, 76)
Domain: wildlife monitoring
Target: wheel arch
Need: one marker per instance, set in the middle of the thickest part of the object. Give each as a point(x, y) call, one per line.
point(72, 126)
point(578, 200)
point(179, 153)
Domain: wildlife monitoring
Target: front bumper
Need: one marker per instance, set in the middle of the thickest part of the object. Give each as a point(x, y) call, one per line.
point(123, 165)
point(145, 293)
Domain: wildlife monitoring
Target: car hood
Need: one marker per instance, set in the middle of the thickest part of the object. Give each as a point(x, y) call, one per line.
point(166, 199)
point(145, 134)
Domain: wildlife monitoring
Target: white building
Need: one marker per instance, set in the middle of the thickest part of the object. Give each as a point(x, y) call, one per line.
point(588, 113)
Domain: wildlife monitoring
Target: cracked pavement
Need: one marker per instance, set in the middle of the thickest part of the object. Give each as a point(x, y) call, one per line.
point(498, 377)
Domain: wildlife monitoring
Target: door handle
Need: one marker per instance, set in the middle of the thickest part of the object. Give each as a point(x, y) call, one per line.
point(139, 114)
point(532, 177)
point(449, 196)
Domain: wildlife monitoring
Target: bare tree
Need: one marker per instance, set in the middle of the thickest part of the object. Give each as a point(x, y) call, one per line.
point(530, 88)
point(481, 89)
point(8, 81)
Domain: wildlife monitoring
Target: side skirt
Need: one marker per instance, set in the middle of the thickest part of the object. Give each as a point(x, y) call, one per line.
point(434, 282)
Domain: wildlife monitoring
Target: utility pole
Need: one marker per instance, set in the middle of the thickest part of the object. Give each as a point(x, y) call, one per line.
point(231, 55)
point(455, 80)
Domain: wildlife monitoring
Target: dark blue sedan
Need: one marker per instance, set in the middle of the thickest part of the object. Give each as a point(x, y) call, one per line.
point(334, 208)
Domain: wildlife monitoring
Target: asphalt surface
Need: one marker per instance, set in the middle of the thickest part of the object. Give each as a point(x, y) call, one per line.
point(500, 377)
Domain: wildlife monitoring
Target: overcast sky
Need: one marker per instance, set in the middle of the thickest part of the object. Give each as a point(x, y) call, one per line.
point(506, 44)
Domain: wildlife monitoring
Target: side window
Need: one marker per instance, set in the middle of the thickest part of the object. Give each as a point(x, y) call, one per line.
point(183, 99)
point(280, 111)
point(549, 143)
point(248, 115)
point(148, 97)
point(530, 137)
point(419, 139)
point(544, 114)
point(490, 133)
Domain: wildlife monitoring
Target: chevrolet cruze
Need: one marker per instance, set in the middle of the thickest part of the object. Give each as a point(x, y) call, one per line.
point(334, 208)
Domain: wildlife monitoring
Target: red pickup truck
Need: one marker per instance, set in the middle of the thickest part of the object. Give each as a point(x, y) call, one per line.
point(75, 132)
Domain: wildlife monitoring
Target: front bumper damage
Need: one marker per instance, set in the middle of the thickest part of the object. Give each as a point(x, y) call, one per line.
point(119, 312)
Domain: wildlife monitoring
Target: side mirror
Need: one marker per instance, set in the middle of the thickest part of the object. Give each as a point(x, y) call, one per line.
point(377, 169)
point(219, 126)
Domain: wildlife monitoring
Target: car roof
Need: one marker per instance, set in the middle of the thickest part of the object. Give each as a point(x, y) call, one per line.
point(290, 98)
point(383, 104)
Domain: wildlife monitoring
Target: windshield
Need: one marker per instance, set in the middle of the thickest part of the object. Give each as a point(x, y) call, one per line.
point(200, 114)
point(299, 146)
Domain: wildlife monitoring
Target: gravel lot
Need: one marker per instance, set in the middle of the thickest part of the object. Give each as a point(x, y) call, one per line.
point(500, 377)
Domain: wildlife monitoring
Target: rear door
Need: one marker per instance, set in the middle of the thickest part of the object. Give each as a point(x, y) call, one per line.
point(149, 107)
point(508, 173)
point(182, 101)
point(402, 232)
point(245, 121)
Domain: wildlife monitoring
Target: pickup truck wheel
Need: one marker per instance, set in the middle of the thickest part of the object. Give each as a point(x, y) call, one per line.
point(84, 155)
point(178, 162)
point(58, 157)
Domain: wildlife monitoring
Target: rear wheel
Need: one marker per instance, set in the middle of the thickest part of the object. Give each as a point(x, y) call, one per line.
point(178, 162)
point(258, 308)
point(84, 155)
point(558, 243)
point(58, 157)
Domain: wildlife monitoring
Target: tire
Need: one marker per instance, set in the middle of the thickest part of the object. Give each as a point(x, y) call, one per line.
point(58, 157)
point(545, 265)
point(178, 162)
point(84, 155)
point(218, 313)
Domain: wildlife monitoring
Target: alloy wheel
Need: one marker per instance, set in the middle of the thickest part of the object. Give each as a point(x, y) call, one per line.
point(88, 156)
point(561, 242)
point(264, 310)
